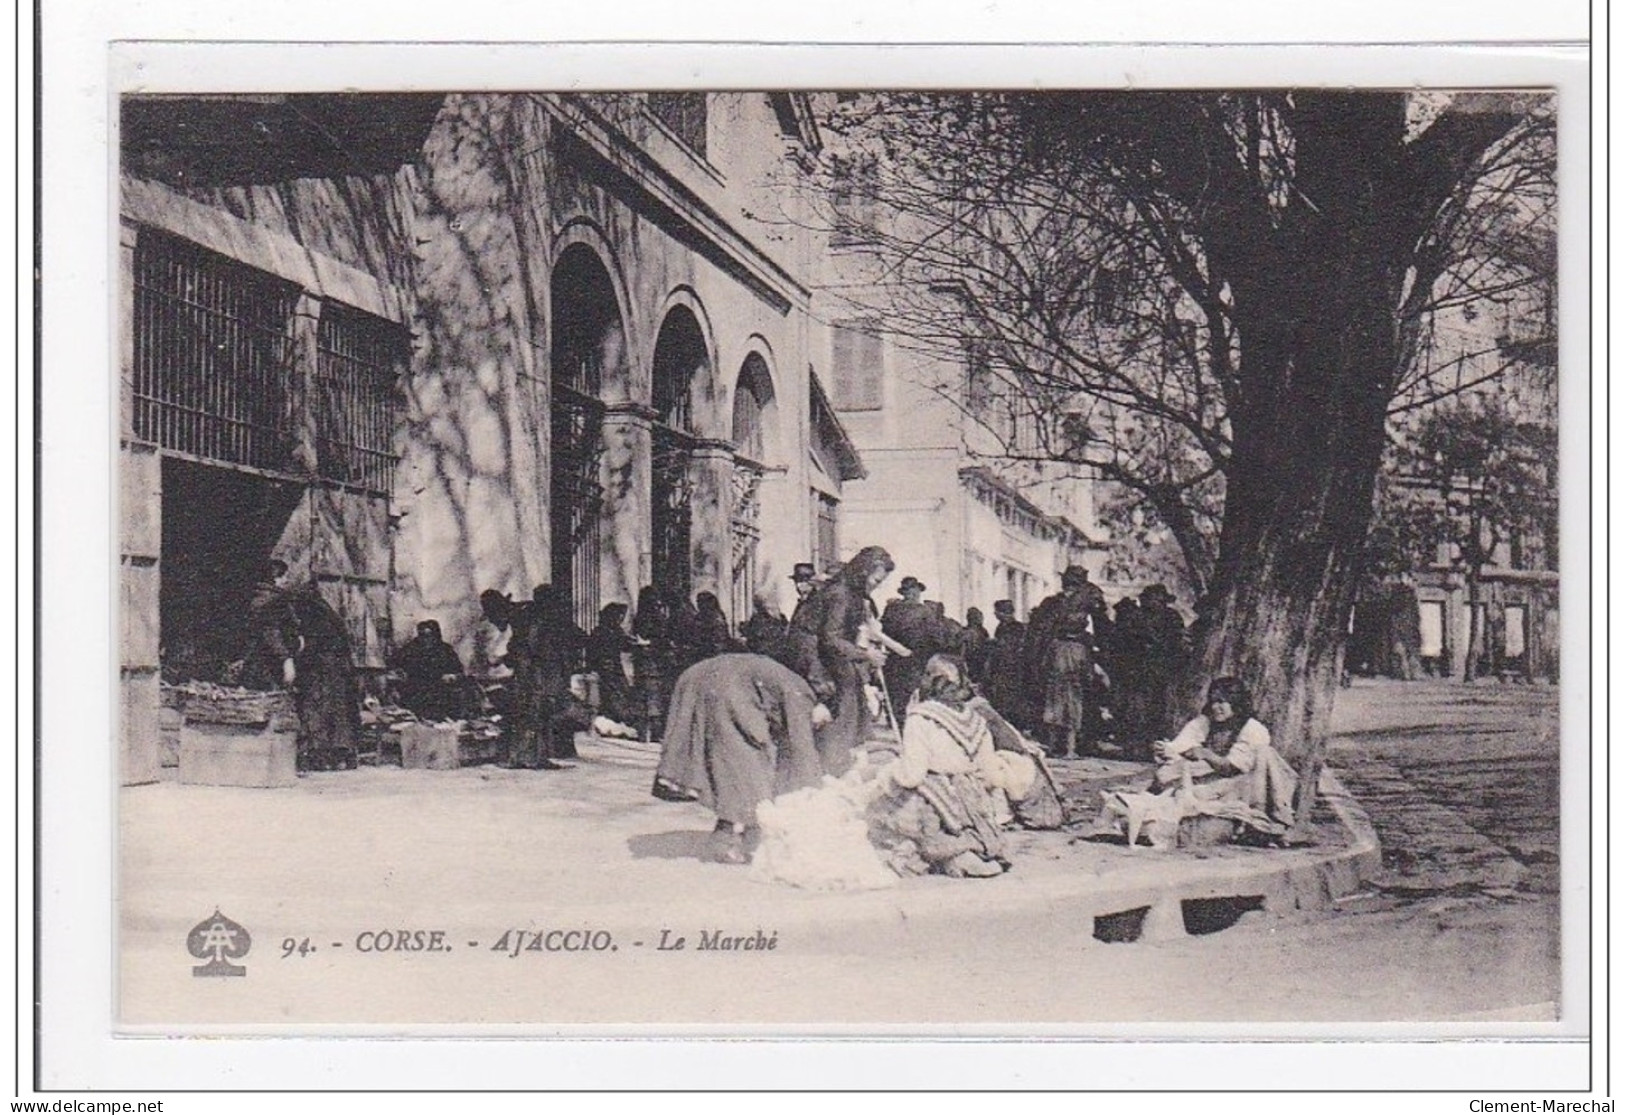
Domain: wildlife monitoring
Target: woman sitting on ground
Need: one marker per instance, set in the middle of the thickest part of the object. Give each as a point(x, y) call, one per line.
point(1221, 764)
point(950, 787)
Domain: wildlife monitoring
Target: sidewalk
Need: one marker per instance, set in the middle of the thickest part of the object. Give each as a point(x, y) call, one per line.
point(482, 852)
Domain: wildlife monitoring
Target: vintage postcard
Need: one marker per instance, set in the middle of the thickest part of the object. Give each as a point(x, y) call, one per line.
point(900, 557)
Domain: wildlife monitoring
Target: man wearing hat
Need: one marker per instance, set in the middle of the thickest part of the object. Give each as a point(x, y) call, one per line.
point(805, 577)
point(918, 626)
point(791, 642)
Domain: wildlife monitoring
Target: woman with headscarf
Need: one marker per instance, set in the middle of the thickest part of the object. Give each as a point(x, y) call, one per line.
point(949, 788)
point(1062, 643)
point(306, 641)
point(712, 634)
point(544, 707)
point(652, 661)
point(607, 649)
point(838, 617)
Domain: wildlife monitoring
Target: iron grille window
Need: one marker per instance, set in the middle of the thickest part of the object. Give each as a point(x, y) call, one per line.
point(685, 115)
point(358, 363)
point(747, 532)
point(577, 498)
point(673, 512)
point(211, 355)
point(671, 400)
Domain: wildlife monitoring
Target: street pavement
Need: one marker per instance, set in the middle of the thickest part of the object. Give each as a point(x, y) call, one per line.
point(1461, 782)
point(1461, 927)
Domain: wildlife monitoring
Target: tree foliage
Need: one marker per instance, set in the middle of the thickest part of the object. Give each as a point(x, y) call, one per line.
point(1099, 253)
point(1214, 300)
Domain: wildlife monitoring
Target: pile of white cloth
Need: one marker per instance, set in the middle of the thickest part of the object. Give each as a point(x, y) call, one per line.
point(818, 838)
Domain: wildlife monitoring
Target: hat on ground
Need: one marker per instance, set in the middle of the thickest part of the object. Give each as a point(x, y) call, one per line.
point(804, 571)
point(911, 582)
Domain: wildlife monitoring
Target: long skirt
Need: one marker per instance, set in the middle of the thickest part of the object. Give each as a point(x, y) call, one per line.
point(1067, 685)
point(329, 716)
point(839, 740)
point(935, 826)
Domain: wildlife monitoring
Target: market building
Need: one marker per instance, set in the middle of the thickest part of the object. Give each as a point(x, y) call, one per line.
point(419, 346)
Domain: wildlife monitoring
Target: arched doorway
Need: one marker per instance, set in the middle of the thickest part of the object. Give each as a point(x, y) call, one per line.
point(680, 360)
point(754, 438)
point(588, 346)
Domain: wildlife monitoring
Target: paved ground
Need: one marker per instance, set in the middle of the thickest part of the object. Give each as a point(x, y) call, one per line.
point(1464, 927)
point(1460, 780)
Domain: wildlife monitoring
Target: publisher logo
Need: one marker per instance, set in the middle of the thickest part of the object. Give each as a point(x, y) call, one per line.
point(219, 940)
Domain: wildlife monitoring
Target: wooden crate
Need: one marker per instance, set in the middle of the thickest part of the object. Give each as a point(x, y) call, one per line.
point(425, 747)
point(237, 755)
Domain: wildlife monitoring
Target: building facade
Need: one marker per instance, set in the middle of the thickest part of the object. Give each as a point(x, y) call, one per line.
point(942, 493)
point(422, 346)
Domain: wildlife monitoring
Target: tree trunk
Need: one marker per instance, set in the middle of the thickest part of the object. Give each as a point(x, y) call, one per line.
point(1475, 627)
point(1317, 311)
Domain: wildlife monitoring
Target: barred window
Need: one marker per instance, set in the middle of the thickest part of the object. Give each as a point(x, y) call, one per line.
point(358, 363)
point(212, 353)
point(685, 115)
point(859, 367)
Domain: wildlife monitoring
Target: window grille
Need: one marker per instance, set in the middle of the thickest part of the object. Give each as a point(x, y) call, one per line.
point(672, 488)
point(747, 532)
point(858, 366)
point(747, 424)
point(673, 511)
point(576, 500)
point(212, 354)
point(685, 115)
point(358, 365)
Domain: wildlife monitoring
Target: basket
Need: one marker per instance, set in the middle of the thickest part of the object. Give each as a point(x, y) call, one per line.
point(247, 708)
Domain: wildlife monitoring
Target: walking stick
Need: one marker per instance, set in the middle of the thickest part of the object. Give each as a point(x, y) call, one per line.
point(886, 703)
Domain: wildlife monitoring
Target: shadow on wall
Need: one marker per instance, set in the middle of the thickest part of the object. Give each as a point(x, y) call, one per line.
point(472, 491)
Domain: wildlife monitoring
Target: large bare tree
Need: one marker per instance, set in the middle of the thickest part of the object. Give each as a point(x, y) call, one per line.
point(1215, 300)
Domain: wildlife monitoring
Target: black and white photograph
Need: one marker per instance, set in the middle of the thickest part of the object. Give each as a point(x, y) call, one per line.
point(842, 557)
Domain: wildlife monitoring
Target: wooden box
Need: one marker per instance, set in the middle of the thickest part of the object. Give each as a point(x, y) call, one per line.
point(237, 755)
point(425, 747)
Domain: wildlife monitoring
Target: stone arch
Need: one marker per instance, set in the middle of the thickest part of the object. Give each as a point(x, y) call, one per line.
point(680, 369)
point(756, 428)
point(684, 322)
point(589, 361)
point(622, 382)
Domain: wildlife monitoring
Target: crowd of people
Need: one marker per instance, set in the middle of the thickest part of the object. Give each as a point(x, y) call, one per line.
point(794, 698)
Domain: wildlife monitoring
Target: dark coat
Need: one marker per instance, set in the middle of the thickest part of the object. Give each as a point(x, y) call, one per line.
point(739, 733)
point(834, 617)
point(303, 626)
point(423, 662)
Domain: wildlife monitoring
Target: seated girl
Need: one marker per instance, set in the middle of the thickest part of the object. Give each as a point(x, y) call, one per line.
point(1221, 764)
point(949, 788)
